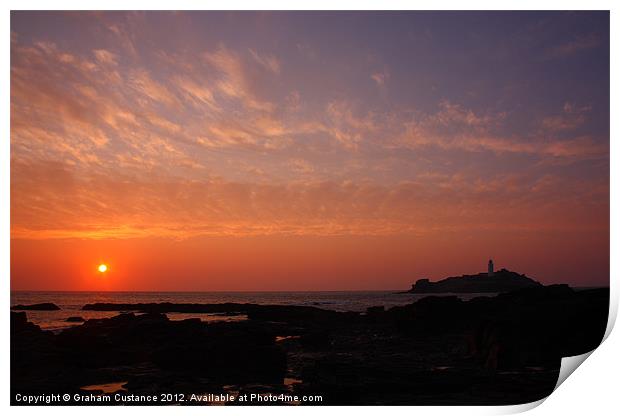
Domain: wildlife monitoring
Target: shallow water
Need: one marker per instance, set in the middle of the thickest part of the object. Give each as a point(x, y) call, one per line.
point(71, 302)
point(106, 388)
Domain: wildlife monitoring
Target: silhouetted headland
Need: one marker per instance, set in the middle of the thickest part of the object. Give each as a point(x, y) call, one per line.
point(490, 282)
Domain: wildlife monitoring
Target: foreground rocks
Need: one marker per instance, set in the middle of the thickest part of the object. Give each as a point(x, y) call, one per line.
point(438, 350)
point(101, 350)
point(442, 350)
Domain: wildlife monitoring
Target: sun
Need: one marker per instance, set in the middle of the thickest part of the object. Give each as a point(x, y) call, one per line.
point(102, 268)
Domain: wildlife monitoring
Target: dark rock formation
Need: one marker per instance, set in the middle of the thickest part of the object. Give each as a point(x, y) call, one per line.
point(36, 307)
point(218, 354)
point(277, 313)
point(33, 356)
point(441, 350)
point(538, 326)
point(19, 323)
point(501, 281)
point(528, 327)
point(375, 311)
point(75, 319)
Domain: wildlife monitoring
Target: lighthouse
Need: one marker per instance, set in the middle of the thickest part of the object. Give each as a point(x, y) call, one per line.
point(490, 270)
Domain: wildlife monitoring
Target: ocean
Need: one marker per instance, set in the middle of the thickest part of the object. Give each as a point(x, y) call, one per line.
point(71, 303)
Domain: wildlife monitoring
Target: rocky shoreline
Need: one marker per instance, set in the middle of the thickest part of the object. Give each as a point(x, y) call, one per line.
point(439, 350)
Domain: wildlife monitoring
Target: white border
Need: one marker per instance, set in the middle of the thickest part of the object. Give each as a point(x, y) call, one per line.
point(592, 389)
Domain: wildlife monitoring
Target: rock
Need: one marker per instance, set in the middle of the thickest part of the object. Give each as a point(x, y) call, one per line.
point(501, 281)
point(375, 310)
point(375, 313)
point(36, 307)
point(307, 315)
point(315, 340)
point(75, 319)
point(34, 357)
point(19, 323)
point(421, 286)
point(429, 314)
point(226, 352)
point(536, 327)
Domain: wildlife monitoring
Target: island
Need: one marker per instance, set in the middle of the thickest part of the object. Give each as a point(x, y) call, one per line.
point(36, 307)
point(487, 282)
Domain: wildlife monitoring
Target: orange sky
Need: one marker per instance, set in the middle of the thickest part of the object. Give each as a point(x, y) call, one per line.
point(252, 151)
point(294, 262)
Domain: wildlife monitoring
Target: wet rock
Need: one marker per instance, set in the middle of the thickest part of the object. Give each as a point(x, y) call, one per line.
point(75, 319)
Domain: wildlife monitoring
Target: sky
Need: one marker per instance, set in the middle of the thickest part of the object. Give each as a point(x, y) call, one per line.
point(307, 150)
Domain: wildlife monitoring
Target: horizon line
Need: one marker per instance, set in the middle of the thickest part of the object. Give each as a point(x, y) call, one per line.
point(397, 291)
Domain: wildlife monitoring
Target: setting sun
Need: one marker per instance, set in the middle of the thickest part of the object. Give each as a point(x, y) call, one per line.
point(102, 268)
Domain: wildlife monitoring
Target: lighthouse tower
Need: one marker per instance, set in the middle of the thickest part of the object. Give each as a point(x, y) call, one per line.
point(490, 270)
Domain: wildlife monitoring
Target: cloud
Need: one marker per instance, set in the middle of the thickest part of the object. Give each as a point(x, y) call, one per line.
point(198, 93)
point(141, 81)
point(381, 78)
point(164, 124)
point(570, 118)
point(578, 44)
point(68, 108)
point(300, 166)
point(269, 62)
point(293, 101)
point(267, 134)
point(97, 111)
point(347, 127)
point(308, 51)
point(123, 36)
point(454, 114)
point(111, 143)
point(105, 57)
point(234, 81)
point(453, 127)
point(100, 206)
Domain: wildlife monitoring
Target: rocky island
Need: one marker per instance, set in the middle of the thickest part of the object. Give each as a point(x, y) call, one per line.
point(36, 307)
point(490, 282)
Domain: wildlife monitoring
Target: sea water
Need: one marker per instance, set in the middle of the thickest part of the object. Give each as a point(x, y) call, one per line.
point(71, 303)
